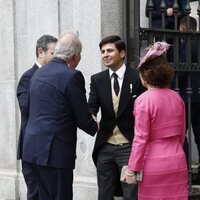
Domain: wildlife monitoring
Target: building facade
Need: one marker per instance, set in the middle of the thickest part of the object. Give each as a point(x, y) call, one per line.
point(22, 23)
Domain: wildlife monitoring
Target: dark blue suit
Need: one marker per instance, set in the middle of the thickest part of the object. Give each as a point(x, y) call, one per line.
point(195, 85)
point(22, 91)
point(157, 14)
point(169, 20)
point(183, 78)
point(22, 95)
point(57, 105)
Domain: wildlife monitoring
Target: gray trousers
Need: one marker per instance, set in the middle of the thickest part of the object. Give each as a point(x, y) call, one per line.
point(111, 158)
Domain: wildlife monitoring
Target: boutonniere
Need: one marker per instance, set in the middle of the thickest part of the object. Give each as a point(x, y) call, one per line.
point(131, 91)
point(134, 96)
point(131, 88)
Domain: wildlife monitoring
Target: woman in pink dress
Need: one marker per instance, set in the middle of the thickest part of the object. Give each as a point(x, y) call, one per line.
point(159, 133)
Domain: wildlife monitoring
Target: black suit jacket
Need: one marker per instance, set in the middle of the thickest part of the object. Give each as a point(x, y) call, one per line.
point(100, 97)
point(157, 14)
point(194, 76)
point(22, 92)
point(57, 105)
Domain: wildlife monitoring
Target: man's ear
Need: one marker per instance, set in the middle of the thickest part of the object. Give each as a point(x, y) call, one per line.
point(40, 51)
point(76, 56)
point(123, 53)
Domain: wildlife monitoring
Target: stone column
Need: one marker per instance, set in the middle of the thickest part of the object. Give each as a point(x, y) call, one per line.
point(8, 166)
point(32, 19)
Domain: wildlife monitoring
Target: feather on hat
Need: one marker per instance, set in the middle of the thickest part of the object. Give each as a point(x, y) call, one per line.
point(156, 50)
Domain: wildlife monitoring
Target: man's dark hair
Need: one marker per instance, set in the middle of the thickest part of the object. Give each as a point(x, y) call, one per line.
point(43, 42)
point(115, 39)
point(192, 26)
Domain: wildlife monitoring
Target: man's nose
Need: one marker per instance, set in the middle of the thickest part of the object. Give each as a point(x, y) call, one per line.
point(105, 54)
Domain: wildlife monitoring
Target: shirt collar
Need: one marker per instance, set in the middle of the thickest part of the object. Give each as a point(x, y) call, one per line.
point(120, 72)
point(38, 64)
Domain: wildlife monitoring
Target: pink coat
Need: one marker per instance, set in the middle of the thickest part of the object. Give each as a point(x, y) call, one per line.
point(157, 145)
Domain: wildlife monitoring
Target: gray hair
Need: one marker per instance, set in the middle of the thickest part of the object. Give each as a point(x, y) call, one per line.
point(67, 46)
point(43, 42)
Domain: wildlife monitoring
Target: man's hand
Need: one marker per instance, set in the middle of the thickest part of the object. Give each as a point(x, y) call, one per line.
point(170, 12)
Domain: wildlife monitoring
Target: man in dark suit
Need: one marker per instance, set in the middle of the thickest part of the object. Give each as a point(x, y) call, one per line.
point(44, 52)
point(191, 80)
point(114, 91)
point(169, 14)
point(154, 8)
point(57, 106)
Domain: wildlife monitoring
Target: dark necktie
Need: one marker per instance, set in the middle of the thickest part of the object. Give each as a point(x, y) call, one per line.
point(116, 84)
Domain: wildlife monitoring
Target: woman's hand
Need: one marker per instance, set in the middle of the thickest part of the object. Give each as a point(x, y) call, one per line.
point(130, 177)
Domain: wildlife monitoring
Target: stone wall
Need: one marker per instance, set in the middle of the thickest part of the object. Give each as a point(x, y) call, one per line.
point(22, 23)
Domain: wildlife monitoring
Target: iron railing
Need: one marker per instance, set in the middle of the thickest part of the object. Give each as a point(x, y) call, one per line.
point(139, 37)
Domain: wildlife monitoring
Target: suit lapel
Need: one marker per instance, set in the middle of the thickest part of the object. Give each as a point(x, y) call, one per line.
point(106, 91)
point(35, 67)
point(126, 93)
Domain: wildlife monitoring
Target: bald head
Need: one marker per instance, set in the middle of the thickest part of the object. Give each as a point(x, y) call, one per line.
point(68, 48)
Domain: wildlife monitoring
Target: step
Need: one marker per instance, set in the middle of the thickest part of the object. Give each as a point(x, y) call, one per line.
point(195, 168)
point(196, 188)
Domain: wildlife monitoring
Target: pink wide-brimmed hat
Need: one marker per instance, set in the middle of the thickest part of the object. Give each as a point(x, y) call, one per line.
point(156, 50)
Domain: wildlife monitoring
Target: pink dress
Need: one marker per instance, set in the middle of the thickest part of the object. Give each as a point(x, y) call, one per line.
point(157, 145)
